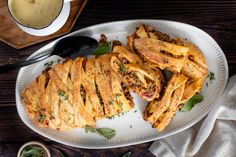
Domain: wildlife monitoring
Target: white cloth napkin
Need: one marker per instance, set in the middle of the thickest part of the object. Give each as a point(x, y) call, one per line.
point(214, 136)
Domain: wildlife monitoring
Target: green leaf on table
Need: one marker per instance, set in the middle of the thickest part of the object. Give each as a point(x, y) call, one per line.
point(103, 48)
point(127, 154)
point(192, 102)
point(106, 132)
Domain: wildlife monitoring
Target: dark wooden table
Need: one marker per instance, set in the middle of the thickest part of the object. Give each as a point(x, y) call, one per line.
point(218, 18)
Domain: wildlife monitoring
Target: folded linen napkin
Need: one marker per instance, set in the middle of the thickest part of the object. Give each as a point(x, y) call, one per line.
point(214, 136)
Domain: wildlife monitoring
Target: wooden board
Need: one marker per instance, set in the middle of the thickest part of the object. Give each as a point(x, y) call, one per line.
point(12, 35)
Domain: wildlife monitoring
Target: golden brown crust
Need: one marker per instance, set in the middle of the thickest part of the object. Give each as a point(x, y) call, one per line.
point(139, 78)
point(78, 92)
point(163, 54)
point(109, 85)
point(156, 108)
point(92, 103)
point(195, 65)
point(171, 111)
point(125, 54)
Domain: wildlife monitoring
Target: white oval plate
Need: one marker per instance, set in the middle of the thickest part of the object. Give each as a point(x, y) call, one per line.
point(131, 128)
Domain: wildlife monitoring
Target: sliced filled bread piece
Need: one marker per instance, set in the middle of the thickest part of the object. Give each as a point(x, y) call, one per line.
point(110, 88)
point(162, 54)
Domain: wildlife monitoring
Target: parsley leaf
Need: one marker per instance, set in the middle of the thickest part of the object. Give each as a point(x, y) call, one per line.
point(42, 118)
point(63, 95)
point(211, 76)
point(123, 69)
point(103, 48)
point(50, 63)
point(192, 102)
point(111, 117)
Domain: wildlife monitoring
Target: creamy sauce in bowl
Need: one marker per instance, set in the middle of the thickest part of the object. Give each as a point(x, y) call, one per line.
point(35, 13)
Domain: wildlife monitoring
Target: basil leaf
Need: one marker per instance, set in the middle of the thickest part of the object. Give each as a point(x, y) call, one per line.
point(191, 102)
point(106, 132)
point(35, 152)
point(103, 48)
point(89, 128)
point(37, 148)
point(127, 154)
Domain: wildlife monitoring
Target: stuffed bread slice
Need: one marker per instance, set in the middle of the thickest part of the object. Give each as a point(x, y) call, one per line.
point(164, 55)
point(111, 91)
point(139, 79)
point(43, 95)
point(89, 90)
point(125, 55)
point(68, 78)
point(53, 100)
point(156, 108)
point(34, 102)
point(195, 63)
point(191, 87)
point(82, 116)
point(169, 114)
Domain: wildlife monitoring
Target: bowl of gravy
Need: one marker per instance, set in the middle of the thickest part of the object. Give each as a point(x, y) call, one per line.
point(35, 14)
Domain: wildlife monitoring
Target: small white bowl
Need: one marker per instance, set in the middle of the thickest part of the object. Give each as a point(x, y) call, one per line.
point(57, 24)
point(35, 143)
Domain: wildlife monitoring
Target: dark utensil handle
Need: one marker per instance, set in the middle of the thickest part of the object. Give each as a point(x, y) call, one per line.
point(9, 67)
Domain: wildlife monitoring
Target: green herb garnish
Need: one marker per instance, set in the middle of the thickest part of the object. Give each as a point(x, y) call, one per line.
point(108, 133)
point(211, 76)
point(63, 95)
point(112, 102)
point(121, 105)
point(128, 154)
point(123, 69)
point(111, 117)
point(103, 48)
point(42, 118)
point(33, 151)
point(192, 102)
point(50, 63)
point(117, 95)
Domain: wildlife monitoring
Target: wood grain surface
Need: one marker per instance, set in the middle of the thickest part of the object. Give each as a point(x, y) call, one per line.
point(13, 35)
point(217, 18)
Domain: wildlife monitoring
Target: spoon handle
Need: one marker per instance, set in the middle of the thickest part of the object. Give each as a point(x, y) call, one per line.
point(9, 67)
